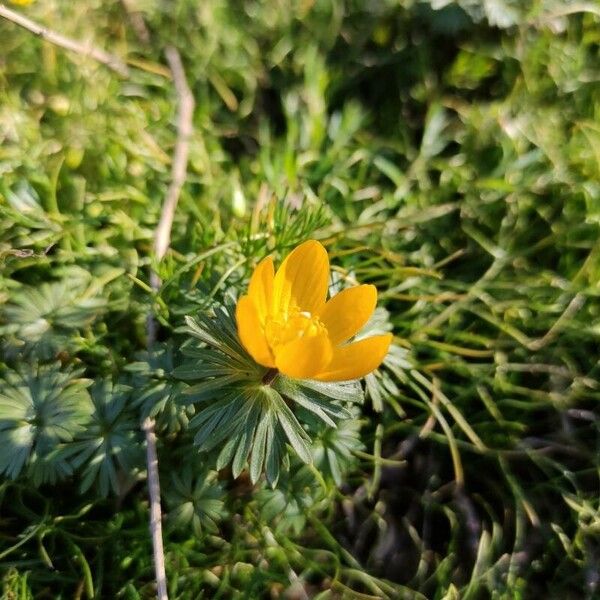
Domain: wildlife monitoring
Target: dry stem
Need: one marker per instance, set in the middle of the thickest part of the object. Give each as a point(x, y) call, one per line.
point(162, 240)
point(180, 154)
point(85, 49)
point(155, 510)
point(137, 21)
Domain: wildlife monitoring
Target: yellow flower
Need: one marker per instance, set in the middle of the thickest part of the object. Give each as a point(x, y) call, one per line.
point(285, 323)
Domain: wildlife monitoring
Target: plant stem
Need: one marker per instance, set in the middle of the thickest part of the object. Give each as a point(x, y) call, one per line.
point(185, 100)
point(270, 376)
point(85, 49)
point(155, 509)
point(162, 240)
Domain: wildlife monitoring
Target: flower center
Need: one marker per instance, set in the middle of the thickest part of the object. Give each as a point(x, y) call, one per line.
point(292, 325)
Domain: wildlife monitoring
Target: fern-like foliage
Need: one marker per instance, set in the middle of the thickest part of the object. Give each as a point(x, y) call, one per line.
point(110, 448)
point(24, 224)
point(245, 411)
point(300, 491)
point(156, 391)
point(285, 507)
point(288, 224)
point(43, 318)
point(333, 450)
point(195, 499)
point(41, 409)
point(382, 384)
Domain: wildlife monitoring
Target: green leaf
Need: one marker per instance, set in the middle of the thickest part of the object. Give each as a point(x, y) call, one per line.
point(245, 442)
point(259, 448)
point(345, 391)
point(46, 317)
point(195, 499)
point(310, 399)
point(226, 454)
point(206, 390)
point(293, 430)
point(273, 451)
point(112, 443)
point(156, 393)
point(39, 409)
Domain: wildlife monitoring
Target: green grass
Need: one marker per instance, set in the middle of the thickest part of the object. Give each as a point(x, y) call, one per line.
point(447, 152)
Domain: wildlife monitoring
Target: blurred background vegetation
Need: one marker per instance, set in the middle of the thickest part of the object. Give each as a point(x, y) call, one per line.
point(447, 151)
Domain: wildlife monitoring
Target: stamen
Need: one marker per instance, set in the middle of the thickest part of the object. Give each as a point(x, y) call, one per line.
point(291, 325)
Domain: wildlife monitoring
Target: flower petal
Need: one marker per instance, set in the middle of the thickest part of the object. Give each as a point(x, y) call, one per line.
point(261, 287)
point(251, 332)
point(305, 357)
point(346, 313)
point(302, 279)
point(357, 359)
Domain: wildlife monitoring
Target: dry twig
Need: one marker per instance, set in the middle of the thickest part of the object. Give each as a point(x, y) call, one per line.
point(155, 510)
point(180, 154)
point(82, 48)
point(137, 21)
point(162, 240)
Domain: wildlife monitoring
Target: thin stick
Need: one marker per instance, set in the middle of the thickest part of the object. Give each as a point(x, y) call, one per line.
point(180, 154)
point(155, 510)
point(85, 49)
point(137, 21)
point(162, 240)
